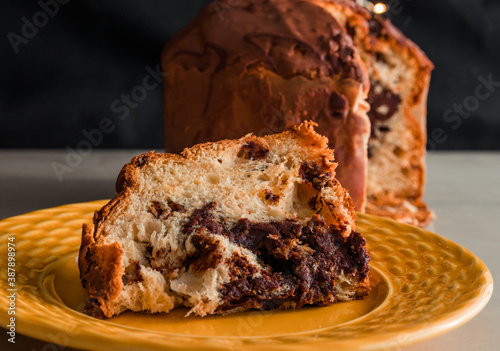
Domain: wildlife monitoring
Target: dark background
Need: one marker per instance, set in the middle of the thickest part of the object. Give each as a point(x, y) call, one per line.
point(65, 78)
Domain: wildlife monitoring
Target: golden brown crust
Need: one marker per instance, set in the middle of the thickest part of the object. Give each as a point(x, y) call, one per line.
point(101, 271)
point(100, 266)
point(104, 278)
point(87, 241)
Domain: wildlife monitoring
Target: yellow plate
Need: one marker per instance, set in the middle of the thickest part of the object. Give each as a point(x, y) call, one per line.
point(423, 286)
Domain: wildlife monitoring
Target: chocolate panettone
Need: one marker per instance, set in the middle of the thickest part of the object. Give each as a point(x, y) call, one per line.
point(253, 223)
point(264, 66)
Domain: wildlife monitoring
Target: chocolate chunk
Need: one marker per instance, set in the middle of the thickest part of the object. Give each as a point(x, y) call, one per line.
point(159, 254)
point(250, 8)
point(132, 274)
point(383, 105)
point(141, 160)
point(174, 207)
point(370, 151)
point(93, 308)
point(357, 257)
point(384, 129)
point(244, 289)
point(160, 212)
point(313, 173)
point(158, 263)
point(375, 27)
point(339, 105)
point(248, 235)
point(157, 210)
point(351, 30)
point(269, 196)
point(380, 57)
point(314, 202)
point(253, 151)
point(346, 52)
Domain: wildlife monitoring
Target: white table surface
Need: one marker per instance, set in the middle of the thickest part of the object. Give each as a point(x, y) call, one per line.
point(463, 188)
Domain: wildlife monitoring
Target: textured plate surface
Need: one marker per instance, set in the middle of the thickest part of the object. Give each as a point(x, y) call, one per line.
point(423, 285)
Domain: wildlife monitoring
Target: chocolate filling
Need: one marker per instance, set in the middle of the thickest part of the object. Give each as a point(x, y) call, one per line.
point(207, 255)
point(241, 291)
point(161, 212)
point(202, 217)
point(301, 261)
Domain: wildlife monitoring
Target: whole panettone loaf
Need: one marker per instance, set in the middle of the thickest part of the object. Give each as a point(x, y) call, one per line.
point(264, 66)
point(253, 223)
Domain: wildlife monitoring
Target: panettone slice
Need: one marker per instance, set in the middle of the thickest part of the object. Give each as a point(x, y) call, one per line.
point(252, 223)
